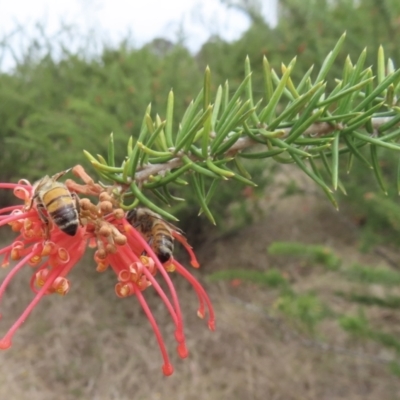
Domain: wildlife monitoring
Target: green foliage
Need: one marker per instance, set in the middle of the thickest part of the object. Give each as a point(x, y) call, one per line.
point(305, 309)
point(376, 213)
point(271, 278)
point(371, 300)
point(395, 368)
point(356, 325)
point(68, 103)
point(314, 254)
point(373, 275)
point(52, 106)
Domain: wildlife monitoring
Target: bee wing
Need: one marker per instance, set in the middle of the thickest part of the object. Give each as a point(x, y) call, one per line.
point(172, 226)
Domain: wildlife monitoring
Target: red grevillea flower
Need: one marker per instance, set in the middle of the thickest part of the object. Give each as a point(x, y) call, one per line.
point(52, 254)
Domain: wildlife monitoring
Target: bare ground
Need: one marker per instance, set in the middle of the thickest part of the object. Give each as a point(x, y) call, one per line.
point(92, 345)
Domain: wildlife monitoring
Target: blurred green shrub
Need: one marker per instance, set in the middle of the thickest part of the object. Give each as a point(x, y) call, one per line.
point(306, 310)
point(312, 254)
point(271, 278)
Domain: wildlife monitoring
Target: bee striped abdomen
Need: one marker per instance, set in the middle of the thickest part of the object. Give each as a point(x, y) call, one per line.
point(163, 244)
point(62, 210)
point(154, 230)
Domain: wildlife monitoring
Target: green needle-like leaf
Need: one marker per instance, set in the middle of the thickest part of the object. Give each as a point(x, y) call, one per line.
point(330, 59)
point(219, 171)
point(240, 167)
point(207, 88)
point(152, 152)
point(268, 85)
point(301, 87)
point(298, 129)
point(327, 191)
point(295, 107)
point(398, 177)
point(161, 196)
point(312, 175)
point(187, 139)
point(284, 145)
point(232, 103)
point(345, 92)
point(286, 92)
point(329, 171)
point(267, 113)
point(354, 150)
point(378, 90)
point(377, 142)
point(249, 89)
point(105, 168)
point(377, 168)
point(211, 190)
point(381, 65)
point(101, 159)
point(217, 105)
point(169, 196)
point(228, 143)
point(290, 85)
point(144, 200)
point(393, 121)
point(225, 96)
point(111, 156)
point(130, 146)
point(350, 161)
point(261, 154)
point(205, 139)
point(198, 168)
point(169, 119)
point(335, 161)
point(200, 197)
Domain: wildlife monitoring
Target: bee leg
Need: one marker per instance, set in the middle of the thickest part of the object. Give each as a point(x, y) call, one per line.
point(77, 206)
point(45, 220)
point(149, 242)
point(31, 203)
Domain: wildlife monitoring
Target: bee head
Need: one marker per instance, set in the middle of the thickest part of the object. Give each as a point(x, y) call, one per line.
point(131, 215)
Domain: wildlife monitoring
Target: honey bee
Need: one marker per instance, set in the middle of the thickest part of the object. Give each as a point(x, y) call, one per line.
point(54, 201)
point(156, 231)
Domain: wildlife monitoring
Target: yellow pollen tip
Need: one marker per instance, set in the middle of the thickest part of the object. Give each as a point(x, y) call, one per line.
point(16, 226)
point(15, 254)
point(170, 267)
point(101, 267)
point(39, 282)
point(61, 286)
point(63, 254)
point(47, 248)
point(124, 290)
point(35, 260)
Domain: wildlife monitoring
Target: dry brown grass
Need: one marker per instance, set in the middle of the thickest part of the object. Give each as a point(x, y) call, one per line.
point(92, 345)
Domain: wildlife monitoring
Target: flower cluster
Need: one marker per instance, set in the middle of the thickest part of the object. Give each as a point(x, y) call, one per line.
point(42, 244)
